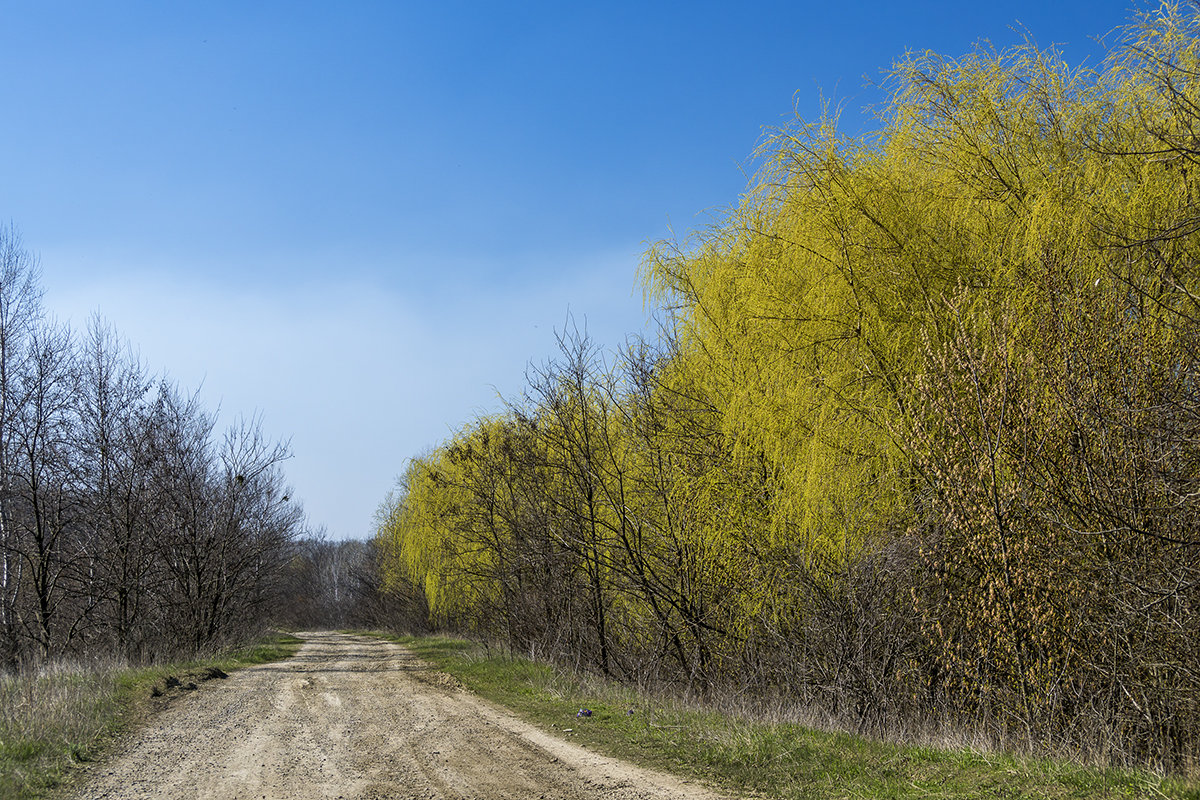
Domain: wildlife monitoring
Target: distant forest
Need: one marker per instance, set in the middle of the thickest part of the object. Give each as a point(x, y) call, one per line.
point(918, 447)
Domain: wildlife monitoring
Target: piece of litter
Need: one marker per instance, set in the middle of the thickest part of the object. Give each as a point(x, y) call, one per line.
point(568, 730)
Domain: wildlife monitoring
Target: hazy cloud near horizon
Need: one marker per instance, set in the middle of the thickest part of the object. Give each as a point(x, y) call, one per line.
point(335, 365)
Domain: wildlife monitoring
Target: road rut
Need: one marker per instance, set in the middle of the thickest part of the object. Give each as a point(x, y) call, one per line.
point(355, 717)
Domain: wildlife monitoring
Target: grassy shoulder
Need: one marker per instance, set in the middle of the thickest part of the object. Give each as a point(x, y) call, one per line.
point(71, 715)
point(763, 759)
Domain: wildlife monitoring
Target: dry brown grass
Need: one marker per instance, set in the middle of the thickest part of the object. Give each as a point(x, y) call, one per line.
point(52, 718)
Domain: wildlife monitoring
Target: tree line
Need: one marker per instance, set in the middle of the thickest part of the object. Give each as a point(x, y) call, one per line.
point(129, 525)
point(335, 585)
point(919, 443)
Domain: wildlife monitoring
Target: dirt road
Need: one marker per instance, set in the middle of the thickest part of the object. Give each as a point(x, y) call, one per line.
point(353, 717)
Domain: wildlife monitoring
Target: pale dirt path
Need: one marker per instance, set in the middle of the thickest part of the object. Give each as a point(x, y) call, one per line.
point(354, 717)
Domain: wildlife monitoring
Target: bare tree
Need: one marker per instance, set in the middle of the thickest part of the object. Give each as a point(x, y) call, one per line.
point(114, 473)
point(44, 504)
point(20, 310)
point(257, 521)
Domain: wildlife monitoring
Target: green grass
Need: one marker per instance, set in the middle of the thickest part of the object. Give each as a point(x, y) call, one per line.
point(68, 715)
point(776, 760)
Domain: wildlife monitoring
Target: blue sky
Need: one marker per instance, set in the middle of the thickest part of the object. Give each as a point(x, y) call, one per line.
point(363, 219)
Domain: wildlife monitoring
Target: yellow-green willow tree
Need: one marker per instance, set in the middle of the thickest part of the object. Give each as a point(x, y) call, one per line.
point(892, 324)
point(923, 436)
point(808, 307)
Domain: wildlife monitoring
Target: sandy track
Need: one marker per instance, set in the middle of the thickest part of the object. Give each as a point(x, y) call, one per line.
point(354, 717)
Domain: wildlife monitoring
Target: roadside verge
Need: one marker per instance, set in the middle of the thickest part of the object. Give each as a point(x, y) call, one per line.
point(756, 757)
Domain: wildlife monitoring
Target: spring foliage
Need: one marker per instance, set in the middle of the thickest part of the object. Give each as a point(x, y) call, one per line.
point(920, 438)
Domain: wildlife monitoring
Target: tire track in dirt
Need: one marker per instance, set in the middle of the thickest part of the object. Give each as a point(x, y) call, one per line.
point(355, 717)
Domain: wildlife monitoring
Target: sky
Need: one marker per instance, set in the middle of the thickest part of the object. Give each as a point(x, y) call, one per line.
point(362, 221)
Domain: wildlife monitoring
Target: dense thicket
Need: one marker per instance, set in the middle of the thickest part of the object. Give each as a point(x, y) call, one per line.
point(127, 526)
point(921, 440)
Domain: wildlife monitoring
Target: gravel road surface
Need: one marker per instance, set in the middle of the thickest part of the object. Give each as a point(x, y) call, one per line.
point(355, 717)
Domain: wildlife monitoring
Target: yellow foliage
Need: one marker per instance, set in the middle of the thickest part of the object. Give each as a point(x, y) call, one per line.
point(806, 309)
point(932, 350)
